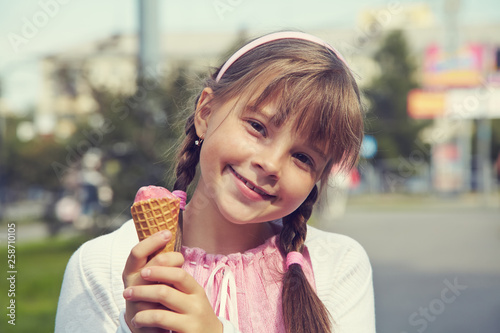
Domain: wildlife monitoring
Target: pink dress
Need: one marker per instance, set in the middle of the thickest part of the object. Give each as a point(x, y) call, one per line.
point(244, 288)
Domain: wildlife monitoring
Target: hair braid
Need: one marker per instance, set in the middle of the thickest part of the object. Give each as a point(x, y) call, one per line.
point(294, 229)
point(303, 311)
point(187, 160)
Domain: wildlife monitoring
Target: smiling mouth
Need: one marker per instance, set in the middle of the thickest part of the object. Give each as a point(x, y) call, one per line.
point(252, 186)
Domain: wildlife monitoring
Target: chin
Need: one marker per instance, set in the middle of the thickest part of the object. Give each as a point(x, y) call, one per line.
point(246, 216)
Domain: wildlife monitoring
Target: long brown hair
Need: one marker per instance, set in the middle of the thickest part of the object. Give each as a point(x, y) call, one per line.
point(310, 83)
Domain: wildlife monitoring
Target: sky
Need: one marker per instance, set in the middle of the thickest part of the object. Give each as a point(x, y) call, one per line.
point(59, 24)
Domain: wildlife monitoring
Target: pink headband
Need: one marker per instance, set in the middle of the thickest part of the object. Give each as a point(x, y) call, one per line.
point(273, 37)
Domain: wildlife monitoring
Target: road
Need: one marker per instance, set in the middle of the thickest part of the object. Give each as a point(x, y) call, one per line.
point(436, 267)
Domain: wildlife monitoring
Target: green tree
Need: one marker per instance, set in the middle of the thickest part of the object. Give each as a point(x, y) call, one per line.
point(139, 133)
point(388, 120)
point(136, 136)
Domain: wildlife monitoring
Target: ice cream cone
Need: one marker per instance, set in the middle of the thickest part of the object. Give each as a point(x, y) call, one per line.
point(156, 214)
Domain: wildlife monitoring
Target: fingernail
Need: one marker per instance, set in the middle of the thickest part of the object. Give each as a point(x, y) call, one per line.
point(134, 323)
point(127, 293)
point(165, 234)
point(146, 272)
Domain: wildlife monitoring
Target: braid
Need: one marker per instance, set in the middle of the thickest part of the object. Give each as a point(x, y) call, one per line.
point(303, 311)
point(294, 230)
point(188, 158)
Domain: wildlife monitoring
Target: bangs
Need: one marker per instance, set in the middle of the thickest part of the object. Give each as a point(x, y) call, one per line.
point(325, 111)
point(309, 86)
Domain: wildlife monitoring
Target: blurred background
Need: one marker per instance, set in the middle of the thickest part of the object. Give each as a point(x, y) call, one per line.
point(93, 95)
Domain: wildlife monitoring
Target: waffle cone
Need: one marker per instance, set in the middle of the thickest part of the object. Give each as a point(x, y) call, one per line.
point(153, 215)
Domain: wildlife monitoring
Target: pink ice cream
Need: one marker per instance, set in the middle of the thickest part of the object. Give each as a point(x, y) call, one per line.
point(152, 192)
point(156, 208)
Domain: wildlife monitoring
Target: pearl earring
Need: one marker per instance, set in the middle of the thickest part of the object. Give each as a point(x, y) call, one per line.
point(198, 142)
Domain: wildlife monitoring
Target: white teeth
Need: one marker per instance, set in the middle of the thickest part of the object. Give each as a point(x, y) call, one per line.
point(259, 191)
point(253, 188)
point(250, 186)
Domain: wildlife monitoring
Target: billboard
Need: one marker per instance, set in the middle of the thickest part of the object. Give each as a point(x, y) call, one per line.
point(463, 69)
point(424, 104)
point(460, 103)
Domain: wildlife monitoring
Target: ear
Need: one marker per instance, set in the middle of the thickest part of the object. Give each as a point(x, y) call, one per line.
point(203, 112)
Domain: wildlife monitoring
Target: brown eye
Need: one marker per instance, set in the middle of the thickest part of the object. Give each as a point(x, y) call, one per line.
point(303, 158)
point(258, 127)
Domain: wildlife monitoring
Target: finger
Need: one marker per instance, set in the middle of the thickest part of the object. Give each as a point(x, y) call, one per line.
point(133, 301)
point(174, 276)
point(145, 329)
point(163, 319)
point(139, 254)
point(169, 259)
point(159, 294)
point(132, 308)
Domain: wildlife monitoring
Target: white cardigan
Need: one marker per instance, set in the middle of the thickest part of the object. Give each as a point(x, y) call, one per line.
point(91, 295)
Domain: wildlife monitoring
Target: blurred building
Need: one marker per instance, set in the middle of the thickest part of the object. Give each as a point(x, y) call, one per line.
point(69, 76)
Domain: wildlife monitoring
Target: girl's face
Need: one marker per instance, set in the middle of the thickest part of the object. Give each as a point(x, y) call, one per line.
point(252, 170)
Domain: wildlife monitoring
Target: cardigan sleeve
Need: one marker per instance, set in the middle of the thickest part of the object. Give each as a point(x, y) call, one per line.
point(344, 282)
point(91, 292)
point(82, 306)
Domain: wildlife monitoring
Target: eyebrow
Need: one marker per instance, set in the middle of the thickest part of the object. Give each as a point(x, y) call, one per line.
point(255, 109)
point(269, 118)
point(319, 152)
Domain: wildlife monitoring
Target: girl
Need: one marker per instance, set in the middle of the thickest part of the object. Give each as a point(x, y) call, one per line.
point(267, 128)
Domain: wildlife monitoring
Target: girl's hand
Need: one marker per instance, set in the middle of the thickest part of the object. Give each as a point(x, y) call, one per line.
point(160, 295)
point(137, 260)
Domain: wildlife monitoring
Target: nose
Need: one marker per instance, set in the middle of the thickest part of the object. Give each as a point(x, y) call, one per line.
point(270, 162)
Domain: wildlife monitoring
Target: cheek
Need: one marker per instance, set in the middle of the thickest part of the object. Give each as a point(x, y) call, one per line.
point(297, 189)
point(217, 151)
point(210, 167)
point(228, 146)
